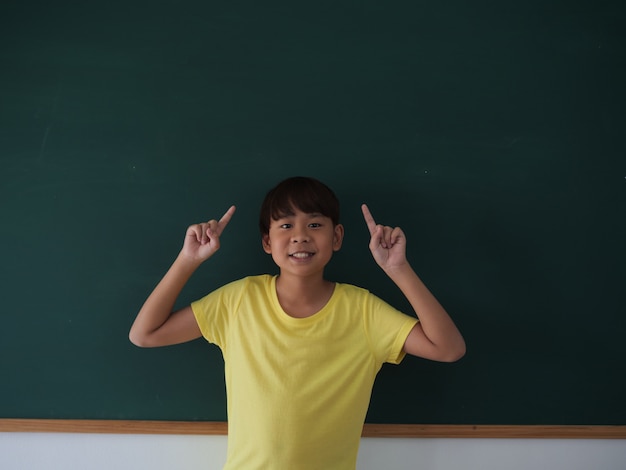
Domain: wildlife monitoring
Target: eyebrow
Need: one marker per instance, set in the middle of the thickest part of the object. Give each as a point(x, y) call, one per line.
point(292, 213)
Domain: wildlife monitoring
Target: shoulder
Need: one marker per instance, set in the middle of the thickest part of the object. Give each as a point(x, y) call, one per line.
point(368, 304)
point(258, 280)
point(359, 301)
point(226, 300)
point(250, 287)
point(261, 281)
point(356, 295)
point(351, 290)
point(261, 284)
point(232, 291)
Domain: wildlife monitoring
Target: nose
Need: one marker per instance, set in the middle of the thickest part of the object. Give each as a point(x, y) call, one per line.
point(299, 235)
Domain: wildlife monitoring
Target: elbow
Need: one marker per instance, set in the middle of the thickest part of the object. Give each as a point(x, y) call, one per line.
point(135, 339)
point(456, 353)
point(139, 340)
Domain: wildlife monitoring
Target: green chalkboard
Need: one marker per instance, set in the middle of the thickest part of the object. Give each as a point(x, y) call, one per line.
point(492, 132)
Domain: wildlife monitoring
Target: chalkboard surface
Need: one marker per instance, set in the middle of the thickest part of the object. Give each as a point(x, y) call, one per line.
point(492, 132)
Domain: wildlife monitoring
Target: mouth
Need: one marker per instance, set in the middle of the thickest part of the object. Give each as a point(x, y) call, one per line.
point(301, 255)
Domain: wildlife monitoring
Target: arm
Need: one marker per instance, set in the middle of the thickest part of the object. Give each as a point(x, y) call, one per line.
point(155, 324)
point(435, 337)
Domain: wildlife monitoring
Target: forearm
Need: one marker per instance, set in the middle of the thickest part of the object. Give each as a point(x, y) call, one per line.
point(436, 324)
point(158, 307)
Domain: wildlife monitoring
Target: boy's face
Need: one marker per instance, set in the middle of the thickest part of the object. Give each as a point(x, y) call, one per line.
point(302, 243)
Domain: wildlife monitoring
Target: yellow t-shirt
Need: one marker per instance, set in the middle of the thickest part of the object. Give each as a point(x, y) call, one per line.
point(298, 388)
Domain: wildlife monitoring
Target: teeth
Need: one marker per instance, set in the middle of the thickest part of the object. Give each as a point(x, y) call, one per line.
point(301, 255)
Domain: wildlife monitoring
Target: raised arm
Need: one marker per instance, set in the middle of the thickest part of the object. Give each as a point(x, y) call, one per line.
point(156, 324)
point(436, 336)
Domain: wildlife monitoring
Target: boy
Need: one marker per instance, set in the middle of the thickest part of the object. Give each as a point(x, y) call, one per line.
point(301, 353)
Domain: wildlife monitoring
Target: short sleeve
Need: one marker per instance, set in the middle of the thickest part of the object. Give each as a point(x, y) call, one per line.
point(387, 329)
point(214, 311)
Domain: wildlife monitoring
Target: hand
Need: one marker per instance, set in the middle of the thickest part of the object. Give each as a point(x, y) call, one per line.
point(388, 244)
point(203, 240)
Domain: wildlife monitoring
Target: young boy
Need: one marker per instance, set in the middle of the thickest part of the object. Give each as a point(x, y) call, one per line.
point(301, 353)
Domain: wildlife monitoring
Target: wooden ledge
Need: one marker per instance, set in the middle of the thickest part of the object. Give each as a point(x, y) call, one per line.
point(369, 430)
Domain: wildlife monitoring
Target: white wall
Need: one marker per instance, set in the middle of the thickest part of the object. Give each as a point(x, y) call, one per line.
point(40, 451)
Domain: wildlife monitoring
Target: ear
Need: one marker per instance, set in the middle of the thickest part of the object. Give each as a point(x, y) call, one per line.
point(265, 241)
point(338, 237)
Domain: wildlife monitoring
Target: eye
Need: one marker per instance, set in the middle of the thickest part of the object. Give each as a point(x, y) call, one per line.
point(315, 225)
point(285, 225)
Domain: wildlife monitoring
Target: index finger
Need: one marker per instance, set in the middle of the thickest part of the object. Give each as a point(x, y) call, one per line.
point(226, 217)
point(369, 219)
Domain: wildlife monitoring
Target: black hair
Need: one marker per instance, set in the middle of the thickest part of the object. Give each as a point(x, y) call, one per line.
point(299, 192)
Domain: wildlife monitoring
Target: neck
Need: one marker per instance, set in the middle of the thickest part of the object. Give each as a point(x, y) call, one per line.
point(303, 296)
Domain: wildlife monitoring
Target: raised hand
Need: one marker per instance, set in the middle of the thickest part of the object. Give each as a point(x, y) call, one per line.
point(435, 336)
point(203, 240)
point(387, 244)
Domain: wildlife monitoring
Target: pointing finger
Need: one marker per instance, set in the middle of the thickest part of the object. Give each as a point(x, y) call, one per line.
point(225, 219)
point(369, 219)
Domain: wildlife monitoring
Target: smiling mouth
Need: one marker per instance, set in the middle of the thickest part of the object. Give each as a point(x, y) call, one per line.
point(301, 255)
